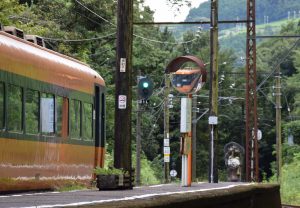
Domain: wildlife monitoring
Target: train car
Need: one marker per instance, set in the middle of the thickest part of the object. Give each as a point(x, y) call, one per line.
point(52, 117)
point(188, 80)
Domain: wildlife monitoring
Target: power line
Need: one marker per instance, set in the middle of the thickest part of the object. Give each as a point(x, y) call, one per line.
point(138, 36)
point(278, 64)
point(96, 14)
point(79, 40)
point(165, 42)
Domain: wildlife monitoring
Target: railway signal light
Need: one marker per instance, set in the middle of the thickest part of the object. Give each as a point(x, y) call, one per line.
point(145, 88)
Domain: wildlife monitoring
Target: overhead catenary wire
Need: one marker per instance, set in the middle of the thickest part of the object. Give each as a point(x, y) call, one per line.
point(80, 40)
point(278, 64)
point(137, 36)
point(107, 21)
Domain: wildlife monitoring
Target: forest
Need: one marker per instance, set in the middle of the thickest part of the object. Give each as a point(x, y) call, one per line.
point(85, 30)
point(274, 9)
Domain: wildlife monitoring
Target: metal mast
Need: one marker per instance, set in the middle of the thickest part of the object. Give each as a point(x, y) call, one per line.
point(251, 99)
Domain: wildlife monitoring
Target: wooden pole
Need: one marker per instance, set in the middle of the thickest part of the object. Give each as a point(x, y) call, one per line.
point(122, 148)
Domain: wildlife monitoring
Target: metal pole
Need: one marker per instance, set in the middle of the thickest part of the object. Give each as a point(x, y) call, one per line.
point(166, 129)
point(278, 124)
point(194, 138)
point(138, 136)
point(122, 148)
point(252, 171)
point(214, 84)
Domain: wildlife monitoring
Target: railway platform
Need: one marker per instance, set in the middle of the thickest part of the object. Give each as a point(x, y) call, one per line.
point(202, 195)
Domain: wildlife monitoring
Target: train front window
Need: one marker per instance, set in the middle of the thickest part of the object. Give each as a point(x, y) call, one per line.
point(87, 122)
point(47, 114)
point(14, 113)
point(75, 118)
point(1, 105)
point(32, 111)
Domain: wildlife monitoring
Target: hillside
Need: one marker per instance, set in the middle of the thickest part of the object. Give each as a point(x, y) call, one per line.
point(236, 9)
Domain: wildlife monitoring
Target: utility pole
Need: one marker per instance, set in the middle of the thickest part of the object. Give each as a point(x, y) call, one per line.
point(138, 135)
point(278, 123)
point(213, 92)
point(166, 130)
point(122, 148)
point(194, 138)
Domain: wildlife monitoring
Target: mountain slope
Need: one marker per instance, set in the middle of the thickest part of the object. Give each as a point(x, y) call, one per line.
point(233, 9)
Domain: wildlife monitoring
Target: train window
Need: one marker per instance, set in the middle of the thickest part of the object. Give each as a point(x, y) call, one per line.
point(14, 113)
point(47, 114)
point(59, 115)
point(1, 105)
point(32, 112)
point(87, 122)
point(75, 118)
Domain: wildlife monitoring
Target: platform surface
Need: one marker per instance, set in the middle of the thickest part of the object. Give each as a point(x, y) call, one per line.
point(94, 197)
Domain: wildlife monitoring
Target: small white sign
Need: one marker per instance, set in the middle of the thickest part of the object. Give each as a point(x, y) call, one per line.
point(213, 120)
point(122, 101)
point(167, 150)
point(173, 173)
point(123, 65)
point(166, 158)
point(166, 142)
point(259, 134)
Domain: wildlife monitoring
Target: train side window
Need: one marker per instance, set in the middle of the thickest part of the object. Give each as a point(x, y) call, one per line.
point(2, 105)
point(75, 118)
point(14, 111)
point(87, 122)
point(47, 114)
point(32, 111)
point(62, 112)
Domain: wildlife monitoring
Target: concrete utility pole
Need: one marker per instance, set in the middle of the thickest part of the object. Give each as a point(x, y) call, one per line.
point(166, 130)
point(213, 94)
point(278, 123)
point(122, 149)
point(138, 136)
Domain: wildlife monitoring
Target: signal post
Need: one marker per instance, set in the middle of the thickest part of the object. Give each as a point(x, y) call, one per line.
point(185, 81)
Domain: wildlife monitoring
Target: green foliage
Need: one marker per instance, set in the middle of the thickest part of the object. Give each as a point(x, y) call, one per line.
point(108, 171)
point(229, 12)
point(290, 181)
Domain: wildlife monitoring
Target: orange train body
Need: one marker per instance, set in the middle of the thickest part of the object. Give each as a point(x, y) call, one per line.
point(53, 157)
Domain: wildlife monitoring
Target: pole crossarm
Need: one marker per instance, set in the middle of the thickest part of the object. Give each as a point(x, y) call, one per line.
point(276, 36)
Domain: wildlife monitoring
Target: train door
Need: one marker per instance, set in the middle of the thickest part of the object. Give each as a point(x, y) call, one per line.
point(99, 115)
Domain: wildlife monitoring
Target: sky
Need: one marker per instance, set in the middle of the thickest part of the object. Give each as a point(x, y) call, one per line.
point(163, 12)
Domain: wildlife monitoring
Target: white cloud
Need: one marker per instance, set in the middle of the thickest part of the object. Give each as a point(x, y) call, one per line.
point(164, 13)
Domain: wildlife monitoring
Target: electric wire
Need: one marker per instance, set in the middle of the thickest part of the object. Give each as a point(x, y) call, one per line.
point(137, 36)
point(107, 21)
point(80, 40)
point(278, 64)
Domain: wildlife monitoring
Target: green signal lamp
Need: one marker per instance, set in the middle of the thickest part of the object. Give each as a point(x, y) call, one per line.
point(145, 88)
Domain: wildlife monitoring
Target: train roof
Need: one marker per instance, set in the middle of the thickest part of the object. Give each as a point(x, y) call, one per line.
point(30, 60)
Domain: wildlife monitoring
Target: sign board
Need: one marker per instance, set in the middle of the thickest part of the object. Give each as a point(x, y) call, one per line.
point(166, 158)
point(186, 115)
point(122, 101)
point(166, 142)
point(259, 134)
point(173, 173)
point(167, 150)
point(47, 115)
point(213, 120)
point(123, 65)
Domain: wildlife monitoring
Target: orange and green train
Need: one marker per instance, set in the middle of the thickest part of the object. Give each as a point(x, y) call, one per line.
point(52, 116)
